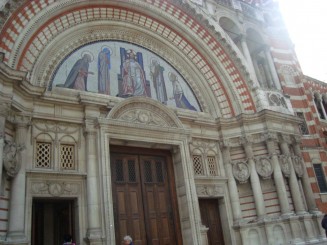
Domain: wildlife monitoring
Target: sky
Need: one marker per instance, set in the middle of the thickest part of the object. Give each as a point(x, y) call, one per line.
point(306, 21)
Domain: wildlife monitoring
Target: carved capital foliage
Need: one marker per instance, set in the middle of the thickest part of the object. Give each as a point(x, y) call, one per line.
point(285, 138)
point(209, 190)
point(55, 188)
point(298, 165)
point(269, 136)
point(241, 171)
point(246, 140)
point(264, 167)
point(225, 143)
point(11, 158)
point(285, 165)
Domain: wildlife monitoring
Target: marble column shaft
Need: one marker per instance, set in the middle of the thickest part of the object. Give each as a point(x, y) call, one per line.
point(308, 192)
point(278, 179)
point(16, 228)
point(93, 207)
point(272, 68)
point(255, 182)
point(248, 58)
point(294, 185)
point(232, 186)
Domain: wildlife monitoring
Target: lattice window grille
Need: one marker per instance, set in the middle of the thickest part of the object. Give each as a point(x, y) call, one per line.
point(198, 165)
point(67, 156)
point(43, 155)
point(212, 165)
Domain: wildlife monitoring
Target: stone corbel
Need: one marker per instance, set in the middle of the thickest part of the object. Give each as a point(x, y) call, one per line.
point(11, 155)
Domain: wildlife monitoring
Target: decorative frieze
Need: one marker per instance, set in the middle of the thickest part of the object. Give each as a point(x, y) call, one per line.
point(55, 188)
point(209, 190)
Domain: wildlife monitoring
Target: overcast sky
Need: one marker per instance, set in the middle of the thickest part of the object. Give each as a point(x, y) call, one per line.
point(306, 21)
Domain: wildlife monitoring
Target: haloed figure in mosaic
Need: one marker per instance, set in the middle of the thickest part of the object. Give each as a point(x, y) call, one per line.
point(134, 83)
point(104, 71)
point(77, 77)
point(180, 99)
point(156, 71)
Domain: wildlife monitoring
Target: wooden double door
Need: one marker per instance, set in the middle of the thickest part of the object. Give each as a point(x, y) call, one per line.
point(144, 199)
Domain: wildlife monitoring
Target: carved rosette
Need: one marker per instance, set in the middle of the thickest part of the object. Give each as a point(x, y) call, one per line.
point(11, 155)
point(241, 171)
point(54, 188)
point(285, 165)
point(298, 166)
point(209, 190)
point(264, 167)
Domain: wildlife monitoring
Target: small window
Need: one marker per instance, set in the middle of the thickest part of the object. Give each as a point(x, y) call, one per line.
point(43, 155)
point(212, 165)
point(321, 179)
point(303, 125)
point(67, 156)
point(198, 165)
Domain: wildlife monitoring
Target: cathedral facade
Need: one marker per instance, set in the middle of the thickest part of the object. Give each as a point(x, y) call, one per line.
point(172, 121)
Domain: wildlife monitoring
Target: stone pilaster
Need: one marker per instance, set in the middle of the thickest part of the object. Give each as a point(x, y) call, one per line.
point(16, 227)
point(232, 186)
point(94, 233)
point(278, 176)
point(294, 185)
point(254, 178)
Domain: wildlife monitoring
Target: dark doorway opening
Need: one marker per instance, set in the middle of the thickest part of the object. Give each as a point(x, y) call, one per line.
point(51, 220)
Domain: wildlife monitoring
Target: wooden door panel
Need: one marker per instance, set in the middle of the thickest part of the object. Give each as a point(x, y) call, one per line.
point(142, 200)
point(210, 218)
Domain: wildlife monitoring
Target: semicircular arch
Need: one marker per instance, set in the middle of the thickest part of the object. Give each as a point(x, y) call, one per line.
point(228, 83)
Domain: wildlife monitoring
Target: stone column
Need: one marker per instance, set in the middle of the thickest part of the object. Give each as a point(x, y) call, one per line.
point(278, 175)
point(308, 192)
point(294, 186)
point(232, 187)
point(254, 178)
point(248, 58)
point(16, 227)
point(3, 114)
point(272, 68)
point(93, 207)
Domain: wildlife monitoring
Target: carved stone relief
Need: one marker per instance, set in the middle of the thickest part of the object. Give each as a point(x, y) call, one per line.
point(11, 161)
point(241, 171)
point(55, 188)
point(285, 165)
point(276, 100)
point(209, 190)
point(298, 165)
point(264, 167)
point(144, 117)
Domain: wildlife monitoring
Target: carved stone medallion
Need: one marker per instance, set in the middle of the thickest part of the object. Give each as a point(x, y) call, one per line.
point(298, 166)
point(264, 167)
point(241, 171)
point(11, 161)
point(285, 165)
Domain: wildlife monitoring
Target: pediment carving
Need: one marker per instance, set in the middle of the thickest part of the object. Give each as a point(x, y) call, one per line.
point(140, 110)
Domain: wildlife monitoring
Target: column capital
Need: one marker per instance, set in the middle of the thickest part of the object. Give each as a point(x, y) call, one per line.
point(225, 143)
point(270, 136)
point(19, 120)
point(285, 138)
point(297, 139)
point(246, 140)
